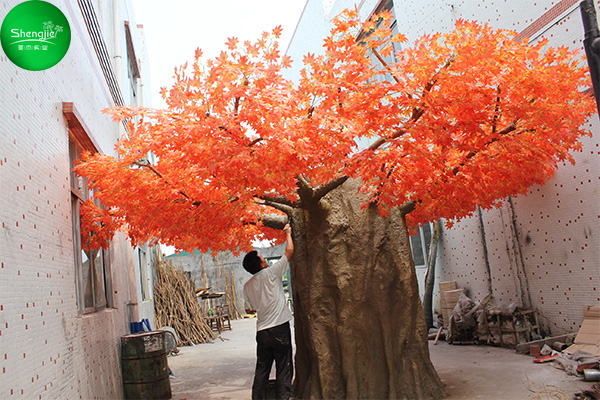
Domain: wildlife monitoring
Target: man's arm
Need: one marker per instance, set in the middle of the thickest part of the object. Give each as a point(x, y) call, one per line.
point(289, 244)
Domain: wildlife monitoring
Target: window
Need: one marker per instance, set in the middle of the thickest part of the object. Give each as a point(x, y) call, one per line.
point(420, 243)
point(388, 5)
point(133, 70)
point(385, 5)
point(92, 266)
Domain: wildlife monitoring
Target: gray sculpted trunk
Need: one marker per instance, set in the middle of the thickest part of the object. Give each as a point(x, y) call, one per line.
point(359, 326)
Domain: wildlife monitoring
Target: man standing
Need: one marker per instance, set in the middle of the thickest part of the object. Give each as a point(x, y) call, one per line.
point(264, 293)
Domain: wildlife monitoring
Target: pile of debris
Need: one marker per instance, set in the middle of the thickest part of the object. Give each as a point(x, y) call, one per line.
point(176, 305)
point(576, 355)
point(468, 322)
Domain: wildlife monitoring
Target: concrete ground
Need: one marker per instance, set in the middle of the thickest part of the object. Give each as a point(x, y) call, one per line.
point(225, 369)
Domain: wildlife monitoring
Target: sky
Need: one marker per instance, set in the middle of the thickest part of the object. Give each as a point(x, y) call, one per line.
point(175, 28)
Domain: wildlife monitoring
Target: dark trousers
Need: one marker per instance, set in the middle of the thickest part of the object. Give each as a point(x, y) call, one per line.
point(273, 344)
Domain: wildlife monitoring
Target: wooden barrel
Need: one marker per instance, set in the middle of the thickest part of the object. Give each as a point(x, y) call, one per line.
point(144, 365)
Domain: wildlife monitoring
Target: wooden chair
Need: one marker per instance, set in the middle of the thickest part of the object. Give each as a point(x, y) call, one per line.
point(223, 314)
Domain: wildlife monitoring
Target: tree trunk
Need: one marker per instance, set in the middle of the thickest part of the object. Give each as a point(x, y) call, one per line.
point(430, 276)
point(359, 325)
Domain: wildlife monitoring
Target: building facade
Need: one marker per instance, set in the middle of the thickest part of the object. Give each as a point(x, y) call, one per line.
point(541, 250)
point(63, 308)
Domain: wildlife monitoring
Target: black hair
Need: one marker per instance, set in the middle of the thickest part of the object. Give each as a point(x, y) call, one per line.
point(252, 262)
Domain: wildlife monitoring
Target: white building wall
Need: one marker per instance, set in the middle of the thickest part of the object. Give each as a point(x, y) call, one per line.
point(47, 349)
point(549, 257)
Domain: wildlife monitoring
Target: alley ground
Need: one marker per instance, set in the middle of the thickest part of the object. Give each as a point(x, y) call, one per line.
point(224, 370)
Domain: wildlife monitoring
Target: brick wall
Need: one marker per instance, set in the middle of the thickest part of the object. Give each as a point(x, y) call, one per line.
point(47, 349)
point(543, 249)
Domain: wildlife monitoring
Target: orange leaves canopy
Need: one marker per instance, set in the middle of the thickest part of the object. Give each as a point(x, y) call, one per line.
point(98, 225)
point(459, 120)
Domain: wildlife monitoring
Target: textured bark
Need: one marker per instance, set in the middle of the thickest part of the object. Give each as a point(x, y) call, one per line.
point(360, 330)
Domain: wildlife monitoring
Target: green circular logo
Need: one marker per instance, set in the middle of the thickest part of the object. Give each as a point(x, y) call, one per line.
point(35, 35)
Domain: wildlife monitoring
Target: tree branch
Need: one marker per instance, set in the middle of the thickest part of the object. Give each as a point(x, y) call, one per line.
point(321, 190)
point(408, 207)
point(304, 183)
point(382, 61)
point(381, 141)
point(496, 111)
point(417, 111)
point(150, 167)
point(278, 206)
point(274, 221)
point(160, 175)
point(278, 199)
point(255, 141)
point(508, 129)
point(236, 105)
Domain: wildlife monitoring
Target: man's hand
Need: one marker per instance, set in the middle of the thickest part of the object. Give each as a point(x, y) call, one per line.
point(289, 244)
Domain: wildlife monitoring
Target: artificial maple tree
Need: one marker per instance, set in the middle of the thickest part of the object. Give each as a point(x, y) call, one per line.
point(458, 120)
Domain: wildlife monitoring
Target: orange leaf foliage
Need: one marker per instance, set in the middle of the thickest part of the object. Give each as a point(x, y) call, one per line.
point(98, 225)
point(464, 119)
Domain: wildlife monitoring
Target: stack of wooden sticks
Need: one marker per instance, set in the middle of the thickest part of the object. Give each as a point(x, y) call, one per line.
point(176, 305)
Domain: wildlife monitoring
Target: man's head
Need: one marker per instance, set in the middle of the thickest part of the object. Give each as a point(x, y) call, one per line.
point(253, 262)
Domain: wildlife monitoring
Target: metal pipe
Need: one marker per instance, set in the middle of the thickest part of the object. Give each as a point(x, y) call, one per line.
point(591, 44)
point(591, 375)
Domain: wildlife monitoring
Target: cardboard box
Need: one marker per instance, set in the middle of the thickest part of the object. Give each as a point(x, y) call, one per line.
point(446, 313)
point(449, 285)
point(450, 297)
point(588, 338)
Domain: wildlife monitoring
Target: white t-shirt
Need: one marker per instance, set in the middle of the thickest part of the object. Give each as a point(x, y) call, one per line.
point(264, 293)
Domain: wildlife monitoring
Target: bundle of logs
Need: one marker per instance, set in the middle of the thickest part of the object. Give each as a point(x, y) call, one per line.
point(176, 305)
point(231, 296)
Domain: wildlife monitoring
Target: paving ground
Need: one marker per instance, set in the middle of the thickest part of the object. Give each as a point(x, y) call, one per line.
point(224, 370)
